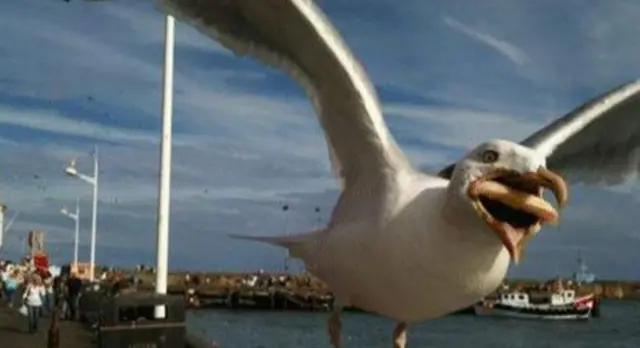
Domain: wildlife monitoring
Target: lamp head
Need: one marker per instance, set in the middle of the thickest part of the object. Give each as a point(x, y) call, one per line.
point(71, 171)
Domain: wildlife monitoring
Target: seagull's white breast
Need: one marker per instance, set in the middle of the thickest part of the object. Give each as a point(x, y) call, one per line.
point(415, 266)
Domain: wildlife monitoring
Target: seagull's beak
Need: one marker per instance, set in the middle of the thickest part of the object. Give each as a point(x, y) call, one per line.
point(512, 205)
point(552, 181)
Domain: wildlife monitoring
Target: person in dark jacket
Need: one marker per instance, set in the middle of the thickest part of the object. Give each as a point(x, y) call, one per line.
point(59, 290)
point(74, 287)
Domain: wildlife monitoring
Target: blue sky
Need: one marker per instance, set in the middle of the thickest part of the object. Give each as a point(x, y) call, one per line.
point(450, 75)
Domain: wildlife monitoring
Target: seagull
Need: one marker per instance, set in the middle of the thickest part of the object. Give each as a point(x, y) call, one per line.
point(402, 243)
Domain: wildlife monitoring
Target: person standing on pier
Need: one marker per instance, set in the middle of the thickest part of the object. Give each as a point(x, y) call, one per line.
point(34, 299)
point(11, 284)
point(48, 297)
point(74, 287)
point(59, 290)
point(4, 276)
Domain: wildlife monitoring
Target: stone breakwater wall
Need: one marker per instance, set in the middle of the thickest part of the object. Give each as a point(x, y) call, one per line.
point(254, 291)
point(306, 292)
point(230, 282)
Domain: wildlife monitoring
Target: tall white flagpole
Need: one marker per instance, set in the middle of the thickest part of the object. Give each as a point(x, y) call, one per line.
point(94, 215)
point(164, 186)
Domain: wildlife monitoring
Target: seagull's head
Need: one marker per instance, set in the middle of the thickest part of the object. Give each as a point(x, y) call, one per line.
point(503, 182)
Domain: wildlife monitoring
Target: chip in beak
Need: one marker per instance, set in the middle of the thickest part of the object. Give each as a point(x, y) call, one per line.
point(512, 205)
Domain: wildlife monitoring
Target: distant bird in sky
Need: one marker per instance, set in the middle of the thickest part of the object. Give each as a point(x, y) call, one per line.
point(402, 243)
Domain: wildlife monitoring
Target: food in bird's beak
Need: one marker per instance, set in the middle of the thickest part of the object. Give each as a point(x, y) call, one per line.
point(512, 205)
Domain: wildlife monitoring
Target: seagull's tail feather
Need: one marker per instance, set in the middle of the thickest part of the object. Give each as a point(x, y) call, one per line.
point(299, 245)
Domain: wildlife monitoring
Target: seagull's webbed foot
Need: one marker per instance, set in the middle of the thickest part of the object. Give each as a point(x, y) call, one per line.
point(400, 336)
point(334, 326)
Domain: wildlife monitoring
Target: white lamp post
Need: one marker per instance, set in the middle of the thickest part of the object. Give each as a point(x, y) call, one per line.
point(93, 180)
point(2, 228)
point(164, 187)
point(5, 227)
point(287, 256)
point(75, 217)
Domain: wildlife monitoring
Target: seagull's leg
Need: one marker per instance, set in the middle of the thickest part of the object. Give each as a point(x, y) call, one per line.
point(334, 326)
point(400, 335)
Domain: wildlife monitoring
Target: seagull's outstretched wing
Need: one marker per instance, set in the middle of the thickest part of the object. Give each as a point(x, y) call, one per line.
point(295, 35)
point(599, 142)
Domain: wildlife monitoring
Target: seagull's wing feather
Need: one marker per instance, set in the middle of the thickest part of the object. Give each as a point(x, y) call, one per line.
point(295, 36)
point(599, 142)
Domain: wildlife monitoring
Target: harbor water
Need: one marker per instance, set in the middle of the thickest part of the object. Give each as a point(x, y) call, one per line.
point(618, 327)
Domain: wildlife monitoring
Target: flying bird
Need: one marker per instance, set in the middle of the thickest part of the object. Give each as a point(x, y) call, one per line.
point(400, 242)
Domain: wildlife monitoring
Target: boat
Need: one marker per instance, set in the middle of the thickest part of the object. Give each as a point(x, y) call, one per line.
point(560, 305)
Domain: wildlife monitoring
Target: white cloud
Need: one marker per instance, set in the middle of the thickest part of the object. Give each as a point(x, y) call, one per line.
point(45, 120)
point(510, 51)
point(463, 128)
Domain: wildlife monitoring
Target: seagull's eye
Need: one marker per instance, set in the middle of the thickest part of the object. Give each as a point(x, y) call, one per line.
point(490, 156)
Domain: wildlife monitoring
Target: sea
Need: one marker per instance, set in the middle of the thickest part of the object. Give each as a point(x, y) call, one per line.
point(617, 327)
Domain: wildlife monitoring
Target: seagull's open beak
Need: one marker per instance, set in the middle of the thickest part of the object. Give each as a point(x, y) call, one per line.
point(512, 205)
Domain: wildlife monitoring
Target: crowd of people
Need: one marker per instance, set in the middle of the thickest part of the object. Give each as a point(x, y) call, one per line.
point(36, 292)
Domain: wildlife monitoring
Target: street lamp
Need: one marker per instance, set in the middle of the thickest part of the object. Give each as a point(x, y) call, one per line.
point(75, 217)
point(93, 180)
point(287, 255)
point(6, 227)
point(2, 210)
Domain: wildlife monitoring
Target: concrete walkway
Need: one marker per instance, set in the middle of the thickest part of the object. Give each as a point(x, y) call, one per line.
point(13, 332)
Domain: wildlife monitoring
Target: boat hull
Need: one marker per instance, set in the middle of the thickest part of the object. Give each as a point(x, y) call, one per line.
point(532, 313)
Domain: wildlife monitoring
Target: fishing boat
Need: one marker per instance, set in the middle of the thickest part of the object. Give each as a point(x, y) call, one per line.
point(560, 305)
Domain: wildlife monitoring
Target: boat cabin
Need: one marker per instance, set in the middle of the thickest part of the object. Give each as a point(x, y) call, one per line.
point(563, 297)
point(516, 298)
point(521, 299)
